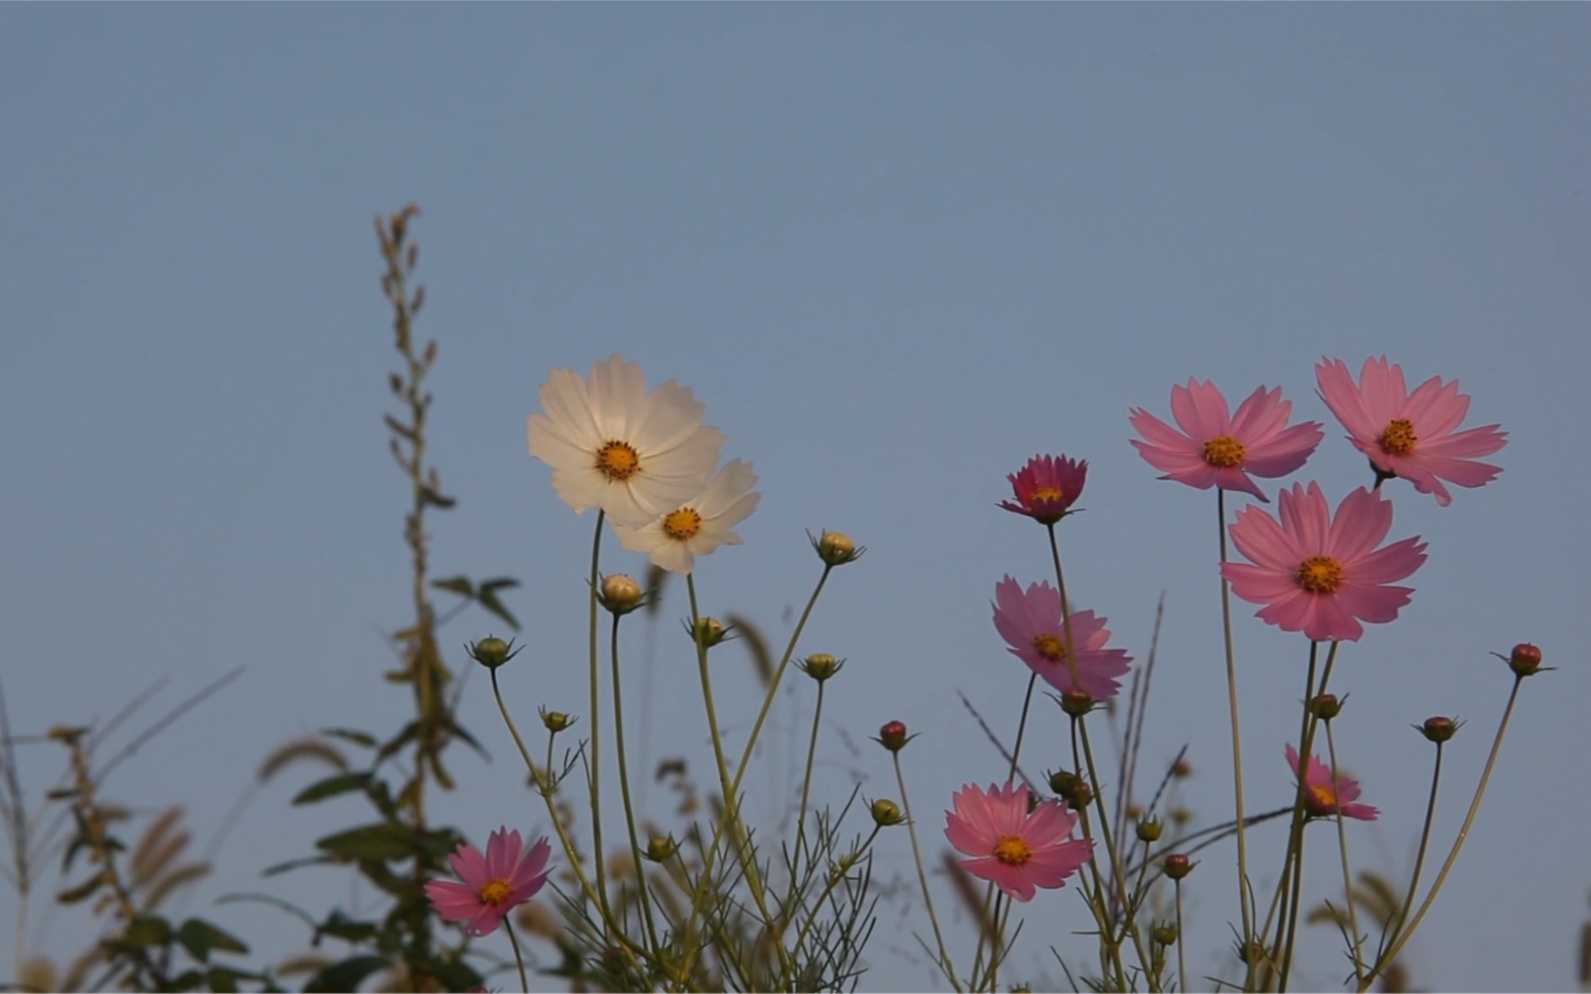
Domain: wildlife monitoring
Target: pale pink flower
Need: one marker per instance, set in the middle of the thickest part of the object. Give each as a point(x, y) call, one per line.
point(493, 885)
point(1321, 800)
point(1410, 434)
point(1215, 449)
point(1322, 575)
point(1030, 623)
point(1015, 849)
point(1047, 487)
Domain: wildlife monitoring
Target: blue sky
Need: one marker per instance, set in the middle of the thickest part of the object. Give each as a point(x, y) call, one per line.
point(896, 250)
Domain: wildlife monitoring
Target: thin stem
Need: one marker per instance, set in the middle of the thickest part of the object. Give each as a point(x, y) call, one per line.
point(1306, 753)
point(1118, 874)
point(995, 934)
point(1419, 860)
point(806, 785)
point(1021, 726)
point(1237, 735)
point(1182, 964)
point(624, 790)
point(917, 857)
point(519, 959)
point(1463, 832)
point(1342, 849)
point(600, 856)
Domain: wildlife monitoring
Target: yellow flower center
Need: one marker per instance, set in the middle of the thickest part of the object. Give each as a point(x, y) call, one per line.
point(682, 524)
point(495, 891)
point(1319, 574)
point(1398, 438)
point(1048, 493)
point(1224, 452)
point(1051, 646)
point(618, 461)
point(1324, 798)
point(1012, 851)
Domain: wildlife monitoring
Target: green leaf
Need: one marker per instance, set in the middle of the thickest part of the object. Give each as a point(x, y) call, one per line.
point(222, 980)
point(143, 931)
point(379, 841)
point(352, 735)
point(488, 600)
point(82, 890)
point(499, 583)
point(340, 926)
point(433, 497)
point(408, 734)
point(456, 976)
point(342, 783)
point(293, 864)
point(199, 937)
point(347, 975)
point(460, 585)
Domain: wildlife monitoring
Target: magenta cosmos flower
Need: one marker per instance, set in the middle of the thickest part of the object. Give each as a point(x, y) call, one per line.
point(1322, 575)
point(1047, 487)
point(1410, 434)
point(1015, 849)
point(1323, 799)
point(1217, 449)
point(493, 885)
point(1030, 623)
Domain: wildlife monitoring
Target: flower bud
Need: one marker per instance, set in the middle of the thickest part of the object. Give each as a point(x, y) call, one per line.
point(1072, 789)
point(1525, 659)
point(1182, 769)
point(555, 721)
point(661, 849)
point(1438, 728)
point(621, 594)
point(492, 652)
point(710, 631)
point(1165, 934)
point(1076, 702)
point(1181, 816)
point(1149, 829)
point(1177, 866)
point(820, 666)
point(1325, 707)
point(836, 548)
point(893, 736)
point(886, 813)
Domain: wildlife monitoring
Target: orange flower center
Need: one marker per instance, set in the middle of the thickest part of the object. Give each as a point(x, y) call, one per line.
point(682, 524)
point(618, 461)
point(495, 891)
point(1048, 493)
point(1223, 452)
point(1012, 851)
point(1398, 438)
point(1319, 574)
point(1324, 799)
point(1051, 646)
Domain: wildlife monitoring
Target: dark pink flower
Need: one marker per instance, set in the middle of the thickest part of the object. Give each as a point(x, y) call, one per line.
point(493, 885)
point(1030, 623)
point(1047, 487)
point(1323, 799)
point(1410, 434)
point(1015, 849)
point(1215, 449)
point(1322, 575)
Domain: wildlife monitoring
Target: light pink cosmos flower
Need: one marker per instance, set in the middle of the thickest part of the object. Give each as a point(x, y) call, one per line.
point(1410, 434)
point(1030, 623)
point(1322, 575)
point(1015, 849)
point(1215, 449)
point(493, 885)
point(1321, 800)
point(1047, 487)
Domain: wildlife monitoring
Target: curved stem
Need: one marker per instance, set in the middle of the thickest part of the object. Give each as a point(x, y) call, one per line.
point(922, 875)
point(806, 786)
point(1347, 874)
point(1419, 863)
point(599, 856)
point(624, 791)
point(1237, 734)
point(519, 959)
point(1182, 963)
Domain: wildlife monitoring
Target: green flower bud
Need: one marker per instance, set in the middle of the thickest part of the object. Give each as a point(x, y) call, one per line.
point(836, 548)
point(492, 652)
point(887, 813)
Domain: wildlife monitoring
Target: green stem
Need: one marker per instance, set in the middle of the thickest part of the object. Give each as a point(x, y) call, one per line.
point(600, 855)
point(1419, 862)
point(1342, 849)
point(1306, 753)
point(1182, 964)
point(917, 857)
point(624, 790)
point(519, 959)
point(806, 787)
point(1237, 735)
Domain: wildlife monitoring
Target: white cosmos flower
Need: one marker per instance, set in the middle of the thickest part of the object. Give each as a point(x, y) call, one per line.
point(616, 447)
point(699, 525)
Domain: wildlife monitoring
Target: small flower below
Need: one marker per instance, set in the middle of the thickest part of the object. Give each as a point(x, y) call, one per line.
point(1218, 449)
point(1015, 849)
point(1410, 434)
point(494, 884)
point(674, 539)
point(1047, 487)
point(1319, 574)
point(1323, 798)
point(1030, 623)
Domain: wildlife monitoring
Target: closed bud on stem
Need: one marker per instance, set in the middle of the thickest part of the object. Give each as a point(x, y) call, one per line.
point(820, 666)
point(1076, 702)
point(1438, 728)
point(1072, 789)
point(555, 721)
point(1177, 866)
point(1165, 934)
point(1182, 769)
point(710, 631)
point(1325, 707)
point(492, 652)
point(620, 594)
point(1149, 829)
point(1525, 659)
point(893, 736)
point(887, 813)
point(836, 548)
point(661, 849)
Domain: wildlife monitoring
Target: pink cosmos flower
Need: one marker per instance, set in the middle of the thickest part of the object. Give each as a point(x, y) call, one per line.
point(1321, 800)
point(1322, 575)
point(1047, 487)
point(1215, 449)
point(1410, 434)
point(1030, 623)
point(493, 885)
point(1013, 848)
